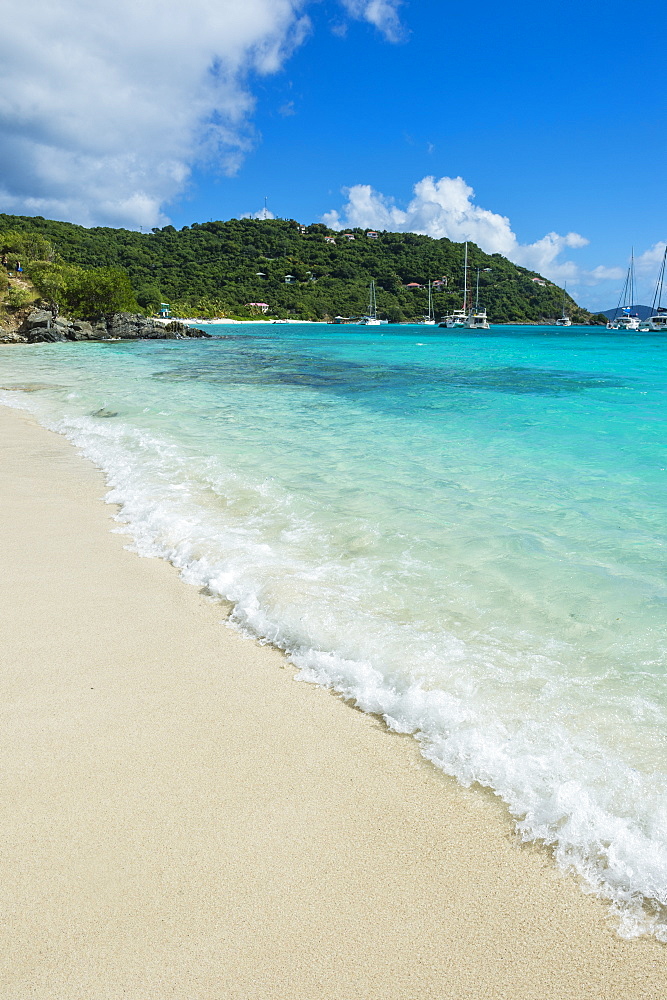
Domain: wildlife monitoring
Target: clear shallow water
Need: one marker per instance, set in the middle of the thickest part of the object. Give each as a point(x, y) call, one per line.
point(462, 533)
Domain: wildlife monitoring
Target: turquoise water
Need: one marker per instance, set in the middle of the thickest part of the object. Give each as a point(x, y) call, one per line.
point(464, 533)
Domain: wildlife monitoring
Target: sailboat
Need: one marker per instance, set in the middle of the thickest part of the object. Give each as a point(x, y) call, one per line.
point(564, 318)
point(657, 321)
point(458, 317)
point(627, 320)
point(429, 320)
point(477, 317)
point(371, 319)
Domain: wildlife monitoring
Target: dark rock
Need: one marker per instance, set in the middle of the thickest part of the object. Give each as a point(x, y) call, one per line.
point(40, 327)
point(83, 331)
point(130, 326)
point(46, 334)
point(11, 337)
point(38, 317)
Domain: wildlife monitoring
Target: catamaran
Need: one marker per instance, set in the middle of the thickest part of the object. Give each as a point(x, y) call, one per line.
point(458, 317)
point(624, 318)
point(657, 321)
point(564, 319)
point(371, 319)
point(467, 317)
point(476, 319)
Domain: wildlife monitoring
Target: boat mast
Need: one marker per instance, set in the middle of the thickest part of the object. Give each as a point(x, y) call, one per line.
point(657, 295)
point(430, 301)
point(623, 297)
point(632, 279)
point(477, 293)
point(465, 280)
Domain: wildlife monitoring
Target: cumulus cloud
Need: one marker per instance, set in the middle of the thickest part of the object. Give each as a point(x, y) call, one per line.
point(106, 107)
point(648, 263)
point(383, 14)
point(602, 273)
point(445, 207)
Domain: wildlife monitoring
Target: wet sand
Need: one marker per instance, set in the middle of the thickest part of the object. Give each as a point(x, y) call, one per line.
point(181, 819)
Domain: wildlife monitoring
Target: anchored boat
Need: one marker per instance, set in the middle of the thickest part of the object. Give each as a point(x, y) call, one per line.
point(624, 318)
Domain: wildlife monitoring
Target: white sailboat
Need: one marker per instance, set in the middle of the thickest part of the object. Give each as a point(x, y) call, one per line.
point(458, 317)
point(564, 319)
point(624, 319)
point(429, 320)
point(371, 318)
point(657, 321)
point(477, 319)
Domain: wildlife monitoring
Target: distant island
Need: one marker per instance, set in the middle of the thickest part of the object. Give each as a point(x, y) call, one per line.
point(272, 268)
point(642, 311)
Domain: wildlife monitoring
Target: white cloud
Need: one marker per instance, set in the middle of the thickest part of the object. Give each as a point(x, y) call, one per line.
point(383, 14)
point(105, 107)
point(602, 273)
point(648, 263)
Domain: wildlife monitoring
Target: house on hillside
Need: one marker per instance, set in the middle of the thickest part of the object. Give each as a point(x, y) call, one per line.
point(258, 307)
point(413, 285)
point(302, 229)
point(290, 279)
point(371, 235)
point(165, 310)
point(348, 236)
point(330, 239)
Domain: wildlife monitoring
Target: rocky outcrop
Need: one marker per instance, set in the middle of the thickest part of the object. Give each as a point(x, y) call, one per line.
point(10, 337)
point(40, 327)
point(129, 326)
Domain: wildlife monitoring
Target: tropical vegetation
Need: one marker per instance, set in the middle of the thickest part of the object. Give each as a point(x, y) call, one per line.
point(306, 272)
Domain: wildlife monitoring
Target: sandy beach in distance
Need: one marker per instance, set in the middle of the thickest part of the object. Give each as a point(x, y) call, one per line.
point(181, 819)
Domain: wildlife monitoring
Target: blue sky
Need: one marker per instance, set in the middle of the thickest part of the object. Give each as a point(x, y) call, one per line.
point(540, 126)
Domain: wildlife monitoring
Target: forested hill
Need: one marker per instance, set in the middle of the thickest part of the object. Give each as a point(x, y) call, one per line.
point(218, 268)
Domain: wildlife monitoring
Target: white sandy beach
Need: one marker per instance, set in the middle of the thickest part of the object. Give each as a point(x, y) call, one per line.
point(183, 820)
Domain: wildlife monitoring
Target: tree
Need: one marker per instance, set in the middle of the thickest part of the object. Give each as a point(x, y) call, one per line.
point(101, 290)
point(149, 298)
point(26, 245)
point(52, 282)
point(86, 294)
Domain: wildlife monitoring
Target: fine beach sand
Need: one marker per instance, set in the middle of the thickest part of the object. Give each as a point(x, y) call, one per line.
point(181, 819)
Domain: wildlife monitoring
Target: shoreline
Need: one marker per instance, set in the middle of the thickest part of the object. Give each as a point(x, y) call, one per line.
point(184, 819)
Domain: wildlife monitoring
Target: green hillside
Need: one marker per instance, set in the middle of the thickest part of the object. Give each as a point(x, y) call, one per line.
point(217, 268)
